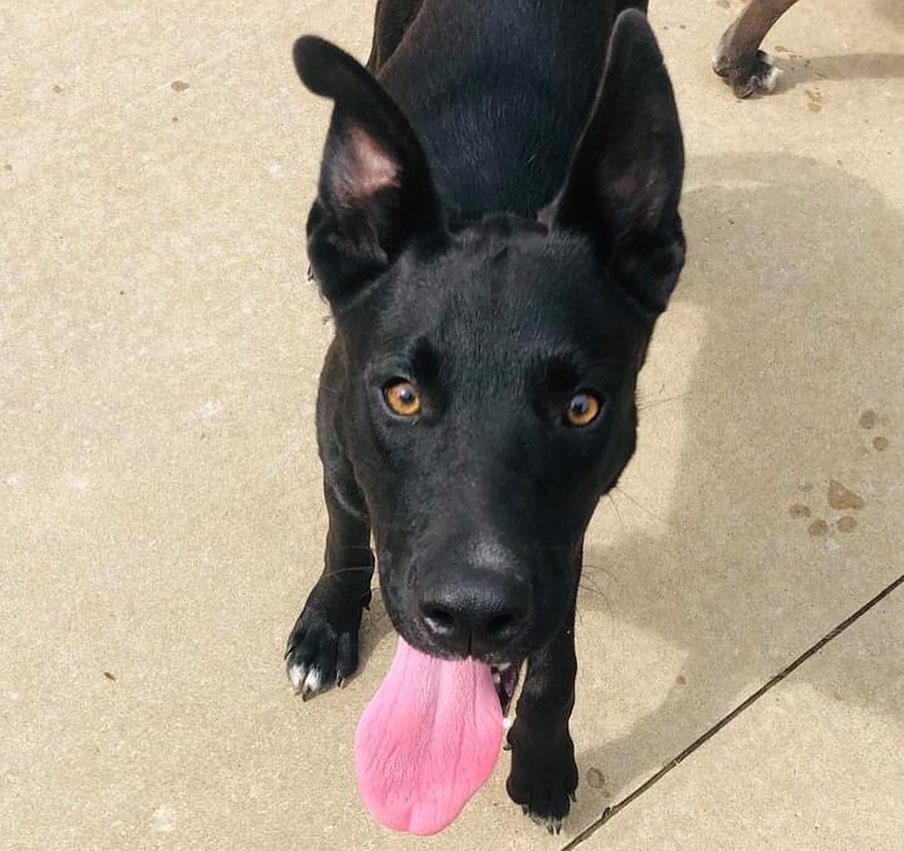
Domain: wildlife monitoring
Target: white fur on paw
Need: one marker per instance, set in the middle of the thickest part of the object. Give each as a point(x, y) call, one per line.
point(311, 682)
point(552, 825)
point(772, 77)
point(297, 675)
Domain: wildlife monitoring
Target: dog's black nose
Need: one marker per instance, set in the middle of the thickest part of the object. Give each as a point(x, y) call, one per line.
point(476, 611)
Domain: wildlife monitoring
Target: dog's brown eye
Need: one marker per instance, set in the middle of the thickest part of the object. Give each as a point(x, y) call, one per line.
point(583, 409)
point(402, 399)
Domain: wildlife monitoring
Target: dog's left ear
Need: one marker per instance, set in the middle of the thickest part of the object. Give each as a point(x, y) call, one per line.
point(375, 192)
point(624, 183)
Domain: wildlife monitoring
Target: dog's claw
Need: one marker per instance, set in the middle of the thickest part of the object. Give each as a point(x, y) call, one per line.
point(552, 824)
point(323, 647)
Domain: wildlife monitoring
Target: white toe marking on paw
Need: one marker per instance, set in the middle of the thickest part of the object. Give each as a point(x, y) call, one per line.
point(768, 58)
point(296, 676)
point(312, 680)
point(772, 78)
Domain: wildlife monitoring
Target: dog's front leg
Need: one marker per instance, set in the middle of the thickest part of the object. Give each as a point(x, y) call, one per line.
point(323, 647)
point(544, 775)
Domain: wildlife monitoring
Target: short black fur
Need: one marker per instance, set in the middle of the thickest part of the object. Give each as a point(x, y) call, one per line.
point(496, 225)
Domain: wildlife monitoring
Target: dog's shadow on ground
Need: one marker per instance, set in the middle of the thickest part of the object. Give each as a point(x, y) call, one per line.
point(892, 11)
point(794, 271)
point(799, 70)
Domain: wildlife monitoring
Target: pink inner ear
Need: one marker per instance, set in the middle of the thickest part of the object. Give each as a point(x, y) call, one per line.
point(368, 167)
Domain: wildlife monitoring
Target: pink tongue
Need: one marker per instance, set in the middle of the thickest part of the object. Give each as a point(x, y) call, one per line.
point(428, 740)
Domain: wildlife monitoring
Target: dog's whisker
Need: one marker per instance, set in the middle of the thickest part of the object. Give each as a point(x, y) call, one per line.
point(646, 511)
point(584, 586)
point(614, 505)
point(598, 568)
point(655, 403)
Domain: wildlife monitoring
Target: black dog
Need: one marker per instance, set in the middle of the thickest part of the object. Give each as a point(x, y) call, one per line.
point(496, 232)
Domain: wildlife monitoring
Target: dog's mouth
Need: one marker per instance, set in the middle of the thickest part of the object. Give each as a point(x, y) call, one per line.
point(505, 679)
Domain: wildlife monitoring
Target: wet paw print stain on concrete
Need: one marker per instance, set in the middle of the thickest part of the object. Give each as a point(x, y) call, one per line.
point(814, 100)
point(868, 421)
point(597, 780)
point(840, 497)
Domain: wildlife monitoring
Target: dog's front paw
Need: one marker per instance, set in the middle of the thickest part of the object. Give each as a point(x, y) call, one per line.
point(756, 76)
point(322, 650)
point(544, 775)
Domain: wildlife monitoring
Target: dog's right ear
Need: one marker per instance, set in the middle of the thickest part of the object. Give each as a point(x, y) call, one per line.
point(375, 192)
point(624, 183)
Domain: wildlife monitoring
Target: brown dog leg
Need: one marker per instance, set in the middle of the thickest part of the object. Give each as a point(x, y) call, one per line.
point(738, 60)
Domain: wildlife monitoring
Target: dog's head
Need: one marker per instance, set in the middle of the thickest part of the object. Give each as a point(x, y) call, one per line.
point(488, 399)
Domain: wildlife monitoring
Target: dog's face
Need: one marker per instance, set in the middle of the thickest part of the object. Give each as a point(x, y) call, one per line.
point(490, 369)
point(490, 401)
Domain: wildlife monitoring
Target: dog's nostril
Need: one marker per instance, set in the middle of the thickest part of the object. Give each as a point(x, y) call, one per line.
point(500, 625)
point(439, 620)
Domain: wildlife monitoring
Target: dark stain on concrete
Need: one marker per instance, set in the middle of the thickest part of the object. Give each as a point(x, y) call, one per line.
point(868, 419)
point(842, 498)
point(846, 524)
point(595, 778)
point(818, 528)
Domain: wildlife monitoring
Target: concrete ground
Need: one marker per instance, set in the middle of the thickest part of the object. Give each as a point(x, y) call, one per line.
point(162, 515)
